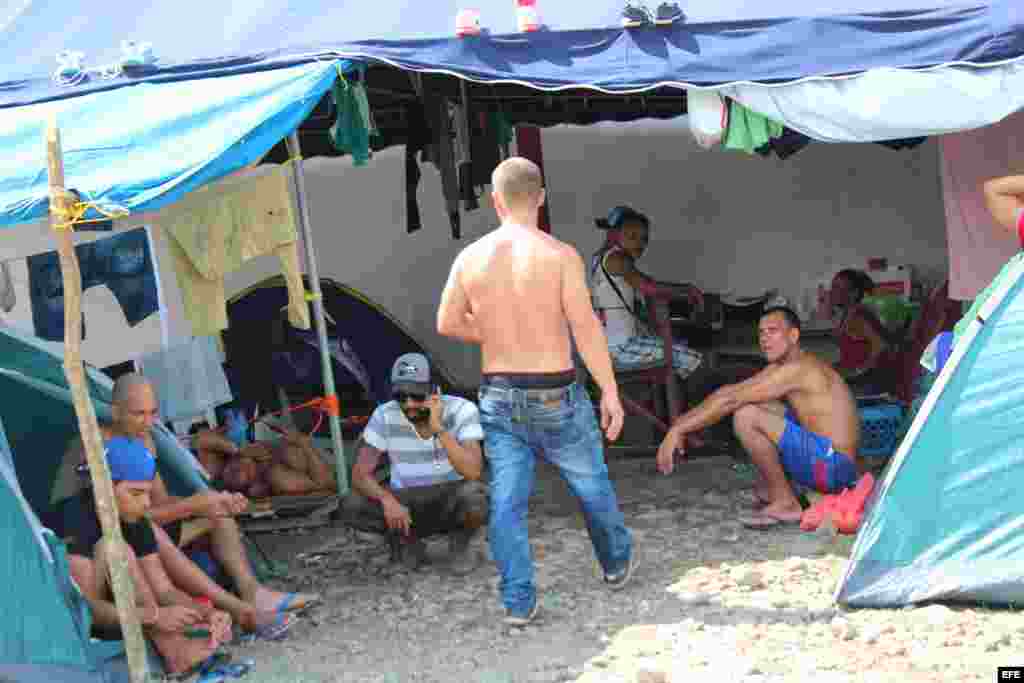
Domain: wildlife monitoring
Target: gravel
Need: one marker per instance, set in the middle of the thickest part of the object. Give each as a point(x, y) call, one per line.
point(710, 601)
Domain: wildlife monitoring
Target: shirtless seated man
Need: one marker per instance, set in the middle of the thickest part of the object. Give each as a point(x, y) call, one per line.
point(206, 517)
point(796, 417)
point(289, 467)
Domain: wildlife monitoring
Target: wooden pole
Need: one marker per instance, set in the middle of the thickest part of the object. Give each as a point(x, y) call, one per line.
point(61, 202)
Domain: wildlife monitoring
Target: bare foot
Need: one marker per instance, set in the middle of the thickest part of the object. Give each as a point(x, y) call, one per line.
point(253, 619)
point(761, 493)
point(789, 512)
point(276, 601)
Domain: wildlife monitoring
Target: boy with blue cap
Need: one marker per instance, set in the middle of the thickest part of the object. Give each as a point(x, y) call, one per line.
point(184, 631)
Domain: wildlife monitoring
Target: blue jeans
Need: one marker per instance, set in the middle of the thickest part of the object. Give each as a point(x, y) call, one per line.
point(559, 425)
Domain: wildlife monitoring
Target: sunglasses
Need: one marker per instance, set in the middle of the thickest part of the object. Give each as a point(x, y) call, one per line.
point(403, 396)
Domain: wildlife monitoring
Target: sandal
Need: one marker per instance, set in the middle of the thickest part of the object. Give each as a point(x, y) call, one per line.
point(275, 630)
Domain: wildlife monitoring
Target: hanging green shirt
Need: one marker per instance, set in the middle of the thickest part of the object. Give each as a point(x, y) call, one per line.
point(749, 130)
point(351, 132)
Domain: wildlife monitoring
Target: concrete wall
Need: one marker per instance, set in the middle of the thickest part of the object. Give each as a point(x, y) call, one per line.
point(723, 220)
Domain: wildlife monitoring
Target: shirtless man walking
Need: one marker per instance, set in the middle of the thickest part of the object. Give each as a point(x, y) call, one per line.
point(519, 293)
point(795, 417)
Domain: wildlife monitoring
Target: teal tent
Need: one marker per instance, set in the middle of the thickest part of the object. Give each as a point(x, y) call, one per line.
point(46, 623)
point(947, 519)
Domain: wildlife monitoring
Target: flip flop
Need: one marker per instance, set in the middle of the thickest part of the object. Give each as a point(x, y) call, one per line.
point(218, 658)
point(764, 522)
point(275, 630)
point(752, 500)
point(296, 602)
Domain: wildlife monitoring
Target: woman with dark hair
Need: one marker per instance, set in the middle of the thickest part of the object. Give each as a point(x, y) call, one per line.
point(617, 288)
point(863, 338)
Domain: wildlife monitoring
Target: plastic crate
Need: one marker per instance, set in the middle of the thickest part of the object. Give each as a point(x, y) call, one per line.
point(879, 429)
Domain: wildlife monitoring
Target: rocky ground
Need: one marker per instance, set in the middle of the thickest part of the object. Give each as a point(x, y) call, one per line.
point(710, 601)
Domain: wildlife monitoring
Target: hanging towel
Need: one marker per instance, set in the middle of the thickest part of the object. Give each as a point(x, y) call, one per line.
point(749, 130)
point(189, 378)
point(7, 296)
point(212, 232)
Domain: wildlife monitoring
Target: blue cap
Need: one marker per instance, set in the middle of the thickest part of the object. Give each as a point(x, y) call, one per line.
point(129, 460)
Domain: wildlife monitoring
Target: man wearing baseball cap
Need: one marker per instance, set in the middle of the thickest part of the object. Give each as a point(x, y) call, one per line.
point(432, 444)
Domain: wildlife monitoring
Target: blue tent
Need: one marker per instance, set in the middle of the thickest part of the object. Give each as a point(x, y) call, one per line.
point(945, 522)
point(46, 633)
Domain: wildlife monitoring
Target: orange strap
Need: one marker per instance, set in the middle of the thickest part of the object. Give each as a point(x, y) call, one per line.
point(331, 405)
point(326, 405)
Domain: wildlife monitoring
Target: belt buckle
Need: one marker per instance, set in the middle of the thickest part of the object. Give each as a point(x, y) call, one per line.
point(552, 398)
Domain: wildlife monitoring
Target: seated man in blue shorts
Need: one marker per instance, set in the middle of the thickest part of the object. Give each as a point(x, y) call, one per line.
point(796, 418)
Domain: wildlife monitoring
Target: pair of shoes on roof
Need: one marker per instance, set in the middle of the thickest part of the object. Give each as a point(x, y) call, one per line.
point(637, 14)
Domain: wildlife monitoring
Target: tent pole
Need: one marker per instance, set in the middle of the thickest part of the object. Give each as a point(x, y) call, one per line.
point(121, 581)
point(341, 463)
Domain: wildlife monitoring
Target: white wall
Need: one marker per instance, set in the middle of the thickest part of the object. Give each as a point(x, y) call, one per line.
point(722, 219)
point(729, 221)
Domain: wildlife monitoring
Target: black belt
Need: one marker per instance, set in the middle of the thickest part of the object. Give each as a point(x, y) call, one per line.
point(529, 380)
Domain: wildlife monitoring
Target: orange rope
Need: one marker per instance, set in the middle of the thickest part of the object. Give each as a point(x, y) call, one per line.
point(325, 405)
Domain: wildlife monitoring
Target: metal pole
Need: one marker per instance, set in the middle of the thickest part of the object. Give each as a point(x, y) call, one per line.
point(341, 463)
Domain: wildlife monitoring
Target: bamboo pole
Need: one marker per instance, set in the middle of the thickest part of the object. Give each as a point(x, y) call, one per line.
point(61, 202)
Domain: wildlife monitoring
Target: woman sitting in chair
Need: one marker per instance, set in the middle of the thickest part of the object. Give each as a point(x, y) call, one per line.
point(617, 287)
point(865, 343)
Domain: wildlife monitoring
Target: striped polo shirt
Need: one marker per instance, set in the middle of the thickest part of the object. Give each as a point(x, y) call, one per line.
point(416, 461)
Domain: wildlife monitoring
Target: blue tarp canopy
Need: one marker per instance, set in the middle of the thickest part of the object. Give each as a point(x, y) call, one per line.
point(728, 41)
point(231, 79)
point(148, 145)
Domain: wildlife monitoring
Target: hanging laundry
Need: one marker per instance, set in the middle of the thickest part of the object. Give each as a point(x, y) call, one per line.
point(749, 130)
point(464, 154)
point(486, 147)
point(905, 143)
point(440, 121)
point(503, 131)
point(213, 231)
point(432, 137)
point(8, 299)
point(419, 139)
point(978, 247)
point(708, 115)
point(891, 104)
point(529, 146)
point(785, 145)
point(353, 128)
point(189, 378)
point(123, 263)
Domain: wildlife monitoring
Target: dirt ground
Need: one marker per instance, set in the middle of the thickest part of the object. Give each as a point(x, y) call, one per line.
point(710, 601)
